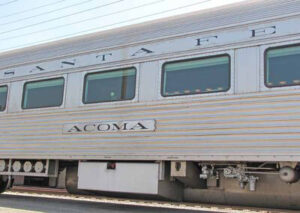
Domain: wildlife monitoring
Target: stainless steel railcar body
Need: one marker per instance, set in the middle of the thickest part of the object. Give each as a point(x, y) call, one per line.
point(249, 122)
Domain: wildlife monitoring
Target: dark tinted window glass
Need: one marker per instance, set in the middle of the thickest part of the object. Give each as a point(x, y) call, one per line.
point(116, 85)
point(46, 93)
point(3, 97)
point(283, 67)
point(196, 76)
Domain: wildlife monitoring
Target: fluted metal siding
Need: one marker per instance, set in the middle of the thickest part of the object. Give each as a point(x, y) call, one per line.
point(259, 125)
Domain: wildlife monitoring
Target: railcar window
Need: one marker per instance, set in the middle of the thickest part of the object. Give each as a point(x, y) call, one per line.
point(3, 97)
point(282, 66)
point(196, 76)
point(117, 85)
point(44, 93)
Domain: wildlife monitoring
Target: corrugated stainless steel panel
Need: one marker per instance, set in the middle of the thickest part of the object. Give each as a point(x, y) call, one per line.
point(259, 125)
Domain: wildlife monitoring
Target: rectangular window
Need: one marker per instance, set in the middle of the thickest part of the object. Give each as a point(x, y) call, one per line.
point(44, 93)
point(282, 66)
point(196, 76)
point(117, 85)
point(3, 97)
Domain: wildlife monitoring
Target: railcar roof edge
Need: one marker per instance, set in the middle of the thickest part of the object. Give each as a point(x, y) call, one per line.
point(236, 13)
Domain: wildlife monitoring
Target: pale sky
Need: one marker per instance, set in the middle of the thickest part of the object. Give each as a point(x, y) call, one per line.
point(26, 23)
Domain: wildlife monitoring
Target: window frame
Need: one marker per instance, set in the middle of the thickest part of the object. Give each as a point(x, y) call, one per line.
point(265, 64)
point(41, 80)
point(7, 95)
point(229, 54)
point(85, 74)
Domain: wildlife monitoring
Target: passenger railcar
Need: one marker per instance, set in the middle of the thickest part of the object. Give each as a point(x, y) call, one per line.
point(200, 107)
